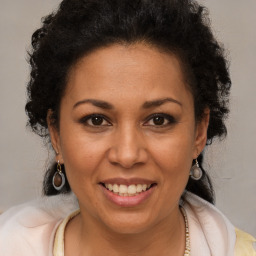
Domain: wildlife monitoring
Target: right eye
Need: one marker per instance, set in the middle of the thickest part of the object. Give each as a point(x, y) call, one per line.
point(160, 120)
point(95, 120)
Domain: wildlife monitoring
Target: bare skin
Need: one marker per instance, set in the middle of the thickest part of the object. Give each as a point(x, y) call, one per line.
point(127, 115)
point(171, 242)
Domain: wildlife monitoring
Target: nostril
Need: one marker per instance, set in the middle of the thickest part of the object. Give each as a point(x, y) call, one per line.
point(126, 155)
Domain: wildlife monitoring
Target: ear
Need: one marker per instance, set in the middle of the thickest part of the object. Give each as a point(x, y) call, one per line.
point(201, 133)
point(54, 135)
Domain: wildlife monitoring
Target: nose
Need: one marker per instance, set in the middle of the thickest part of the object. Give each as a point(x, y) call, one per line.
point(128, 148)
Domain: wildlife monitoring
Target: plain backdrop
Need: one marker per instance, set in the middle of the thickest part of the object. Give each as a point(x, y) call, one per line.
point(231, 163)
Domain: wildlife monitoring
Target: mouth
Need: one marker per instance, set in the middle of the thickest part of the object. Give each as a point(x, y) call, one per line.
point(124, 190)
point(130, 192)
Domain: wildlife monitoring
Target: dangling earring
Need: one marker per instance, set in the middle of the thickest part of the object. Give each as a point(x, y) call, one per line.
point(196, 172)
point(58, 179)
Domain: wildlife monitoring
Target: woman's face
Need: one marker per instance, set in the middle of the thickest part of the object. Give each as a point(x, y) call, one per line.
point(127, 124)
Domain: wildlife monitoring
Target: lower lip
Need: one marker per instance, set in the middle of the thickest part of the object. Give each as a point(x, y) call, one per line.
point(128, 201)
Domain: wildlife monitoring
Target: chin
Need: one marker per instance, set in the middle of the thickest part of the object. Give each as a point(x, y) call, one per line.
point(131, 223)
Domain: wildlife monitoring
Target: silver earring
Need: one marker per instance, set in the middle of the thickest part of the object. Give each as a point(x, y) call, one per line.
point(195, 172)
point(58, 179)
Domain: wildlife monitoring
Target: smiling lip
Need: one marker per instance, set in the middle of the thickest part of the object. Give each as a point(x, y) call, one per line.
point(127, 182)
point(128, 201)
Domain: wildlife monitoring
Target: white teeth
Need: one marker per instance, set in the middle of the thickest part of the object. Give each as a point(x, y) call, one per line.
point(124, 190)
point(115, 188)
point(110, 187)
point(139, 188)
point(144, 187)
point(132, 189)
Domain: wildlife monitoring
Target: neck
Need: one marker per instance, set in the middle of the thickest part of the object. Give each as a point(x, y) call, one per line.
point(84, 235)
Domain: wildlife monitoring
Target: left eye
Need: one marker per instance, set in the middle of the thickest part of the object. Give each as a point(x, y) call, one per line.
point(95, 120)
point(160, 120)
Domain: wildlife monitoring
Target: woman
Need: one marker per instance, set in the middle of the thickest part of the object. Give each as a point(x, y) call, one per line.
point(129, 93)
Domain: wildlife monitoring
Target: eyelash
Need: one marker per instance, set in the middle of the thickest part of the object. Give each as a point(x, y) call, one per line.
point(170, 120)
point(85, 120)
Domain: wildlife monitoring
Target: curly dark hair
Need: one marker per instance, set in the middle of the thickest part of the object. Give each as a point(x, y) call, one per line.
point(78, 27)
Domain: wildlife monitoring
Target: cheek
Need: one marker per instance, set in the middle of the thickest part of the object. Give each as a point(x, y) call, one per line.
point(174, 153)
point(82, 155)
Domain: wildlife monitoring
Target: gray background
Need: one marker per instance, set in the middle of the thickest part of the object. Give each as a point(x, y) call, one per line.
point(231, 162)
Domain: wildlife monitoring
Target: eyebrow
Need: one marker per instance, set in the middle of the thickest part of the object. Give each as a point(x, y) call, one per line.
point(105, 105)
point(159, 102)
point(98, 103)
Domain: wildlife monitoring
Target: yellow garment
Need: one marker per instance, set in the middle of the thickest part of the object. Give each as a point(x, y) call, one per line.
point(244, 244)
point(58, 246)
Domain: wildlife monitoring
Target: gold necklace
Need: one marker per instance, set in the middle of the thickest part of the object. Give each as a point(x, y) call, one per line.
point(187, 246)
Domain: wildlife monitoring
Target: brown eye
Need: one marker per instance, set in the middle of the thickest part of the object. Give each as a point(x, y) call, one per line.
point(158, 120)
point(97, 120)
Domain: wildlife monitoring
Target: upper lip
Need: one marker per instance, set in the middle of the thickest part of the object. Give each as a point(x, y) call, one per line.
point(127, 182)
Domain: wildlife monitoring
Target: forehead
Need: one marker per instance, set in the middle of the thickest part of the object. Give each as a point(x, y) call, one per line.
point(121, 70)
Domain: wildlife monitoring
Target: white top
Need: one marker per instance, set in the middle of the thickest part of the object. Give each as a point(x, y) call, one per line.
point(29, 229)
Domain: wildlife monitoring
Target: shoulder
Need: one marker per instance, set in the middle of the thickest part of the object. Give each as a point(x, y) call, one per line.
point(245, 244)
point(214, 229)
point(29, 229)
point(211, 231)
